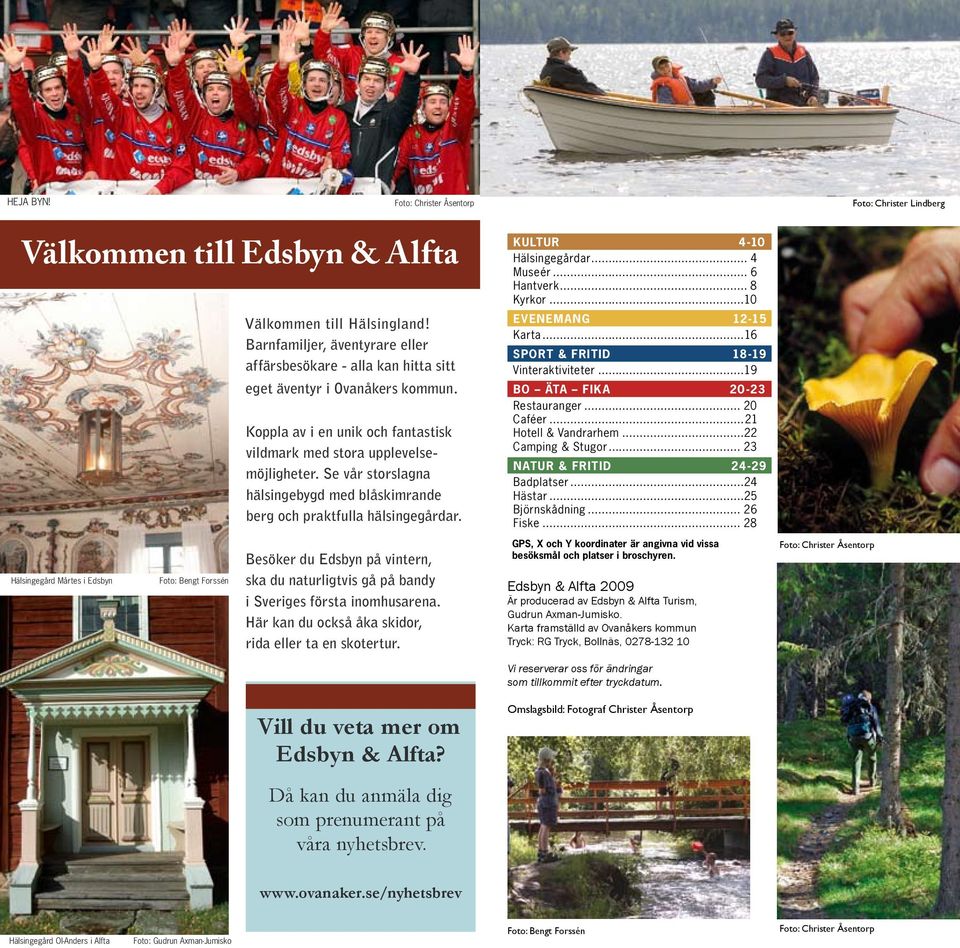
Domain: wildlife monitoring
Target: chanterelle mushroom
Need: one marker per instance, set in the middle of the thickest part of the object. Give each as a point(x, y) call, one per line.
point(871, 400)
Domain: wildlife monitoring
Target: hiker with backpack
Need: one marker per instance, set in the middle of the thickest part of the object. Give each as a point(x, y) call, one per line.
point(864, 734)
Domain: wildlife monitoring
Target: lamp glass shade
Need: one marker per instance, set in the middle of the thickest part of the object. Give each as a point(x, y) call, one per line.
point(99, 460)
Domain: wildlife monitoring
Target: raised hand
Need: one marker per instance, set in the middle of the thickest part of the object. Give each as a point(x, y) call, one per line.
point(331, 17)
point(467, 54)
point(13, 55)
point(301, 30)
point(71, 40)
point(412, 58)
point(132, 49)
point(181, 30)
point(232, 63)
point(237, 32)
point(94, 54)
point(172, 50)
point(106, 41)
point(288, 51)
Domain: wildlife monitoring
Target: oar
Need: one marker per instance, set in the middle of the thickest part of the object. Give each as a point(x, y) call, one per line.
point(770, 103)
point(906, 108)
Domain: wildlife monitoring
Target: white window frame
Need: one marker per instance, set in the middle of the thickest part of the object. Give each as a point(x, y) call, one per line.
point(144, 616)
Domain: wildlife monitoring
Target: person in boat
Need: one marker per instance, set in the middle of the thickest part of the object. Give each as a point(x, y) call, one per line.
point(559, 74)
point(787, 71)
point(671, 88)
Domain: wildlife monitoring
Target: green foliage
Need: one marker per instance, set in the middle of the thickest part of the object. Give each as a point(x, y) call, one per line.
point(523, 849)
point(869, 872)
point(626, 21)
point(46, 924)
point(881, 875)
point(811, 769)
point(790, 653)
point(590, 885)
point(840, 611)
point(631, 758)
point(215, 921)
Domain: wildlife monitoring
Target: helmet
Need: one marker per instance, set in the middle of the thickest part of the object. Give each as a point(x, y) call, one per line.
point(262, 73)
point(114, 58)
point(336, 79)
point(375, 20)
point(147, 71)
point(58, 60)
point(316, 65)
point(375, 67)
point(379, 21)
point(216, 78)
point(43, 74)
point(200, 55)
point(437, 88)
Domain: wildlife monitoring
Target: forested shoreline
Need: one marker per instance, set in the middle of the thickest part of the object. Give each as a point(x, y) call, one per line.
point(724, 21)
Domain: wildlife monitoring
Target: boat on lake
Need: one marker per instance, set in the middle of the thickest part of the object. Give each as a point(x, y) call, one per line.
point(630, 126)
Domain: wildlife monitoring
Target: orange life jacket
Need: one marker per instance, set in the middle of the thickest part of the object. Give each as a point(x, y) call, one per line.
point(778, 52)
point(677, 86)
point(311, 9)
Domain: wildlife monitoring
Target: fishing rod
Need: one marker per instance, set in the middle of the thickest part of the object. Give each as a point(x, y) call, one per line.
point(716, 59)
point(906, 108)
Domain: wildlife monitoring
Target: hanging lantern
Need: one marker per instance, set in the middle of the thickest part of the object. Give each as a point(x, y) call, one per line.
point(99, 459)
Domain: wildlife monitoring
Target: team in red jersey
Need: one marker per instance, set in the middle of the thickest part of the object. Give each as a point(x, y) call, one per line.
point(99, 144)
point(222, 146)
point(200, 118)
point(313, 133)
point(50, 127)
point(435, 155)
point(377, 33)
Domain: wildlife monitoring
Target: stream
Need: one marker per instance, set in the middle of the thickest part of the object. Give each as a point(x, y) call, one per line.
point(673, 885)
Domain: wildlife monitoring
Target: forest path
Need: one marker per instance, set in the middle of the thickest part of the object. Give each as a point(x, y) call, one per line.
point(797, 880)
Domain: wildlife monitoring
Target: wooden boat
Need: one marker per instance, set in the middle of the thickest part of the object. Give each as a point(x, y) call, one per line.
point(625, 125)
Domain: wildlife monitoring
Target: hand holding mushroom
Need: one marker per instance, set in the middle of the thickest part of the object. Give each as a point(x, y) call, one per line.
point(885, 312)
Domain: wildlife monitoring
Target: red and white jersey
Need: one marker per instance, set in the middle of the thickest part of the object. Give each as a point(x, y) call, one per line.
point(437, 161)
point(143, 149)
point(348, 58)
point(253, 110)
point(56, 146)
point(215, 143)
point(307, 138)
point(99, 145)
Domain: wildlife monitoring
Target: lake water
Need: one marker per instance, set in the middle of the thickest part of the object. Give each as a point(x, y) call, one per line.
point(922, 159)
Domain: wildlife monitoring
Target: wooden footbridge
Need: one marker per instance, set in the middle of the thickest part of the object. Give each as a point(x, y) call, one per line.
point(608, 806)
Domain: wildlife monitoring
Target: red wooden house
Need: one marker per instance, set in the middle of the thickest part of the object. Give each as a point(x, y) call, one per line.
point(113, 750)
